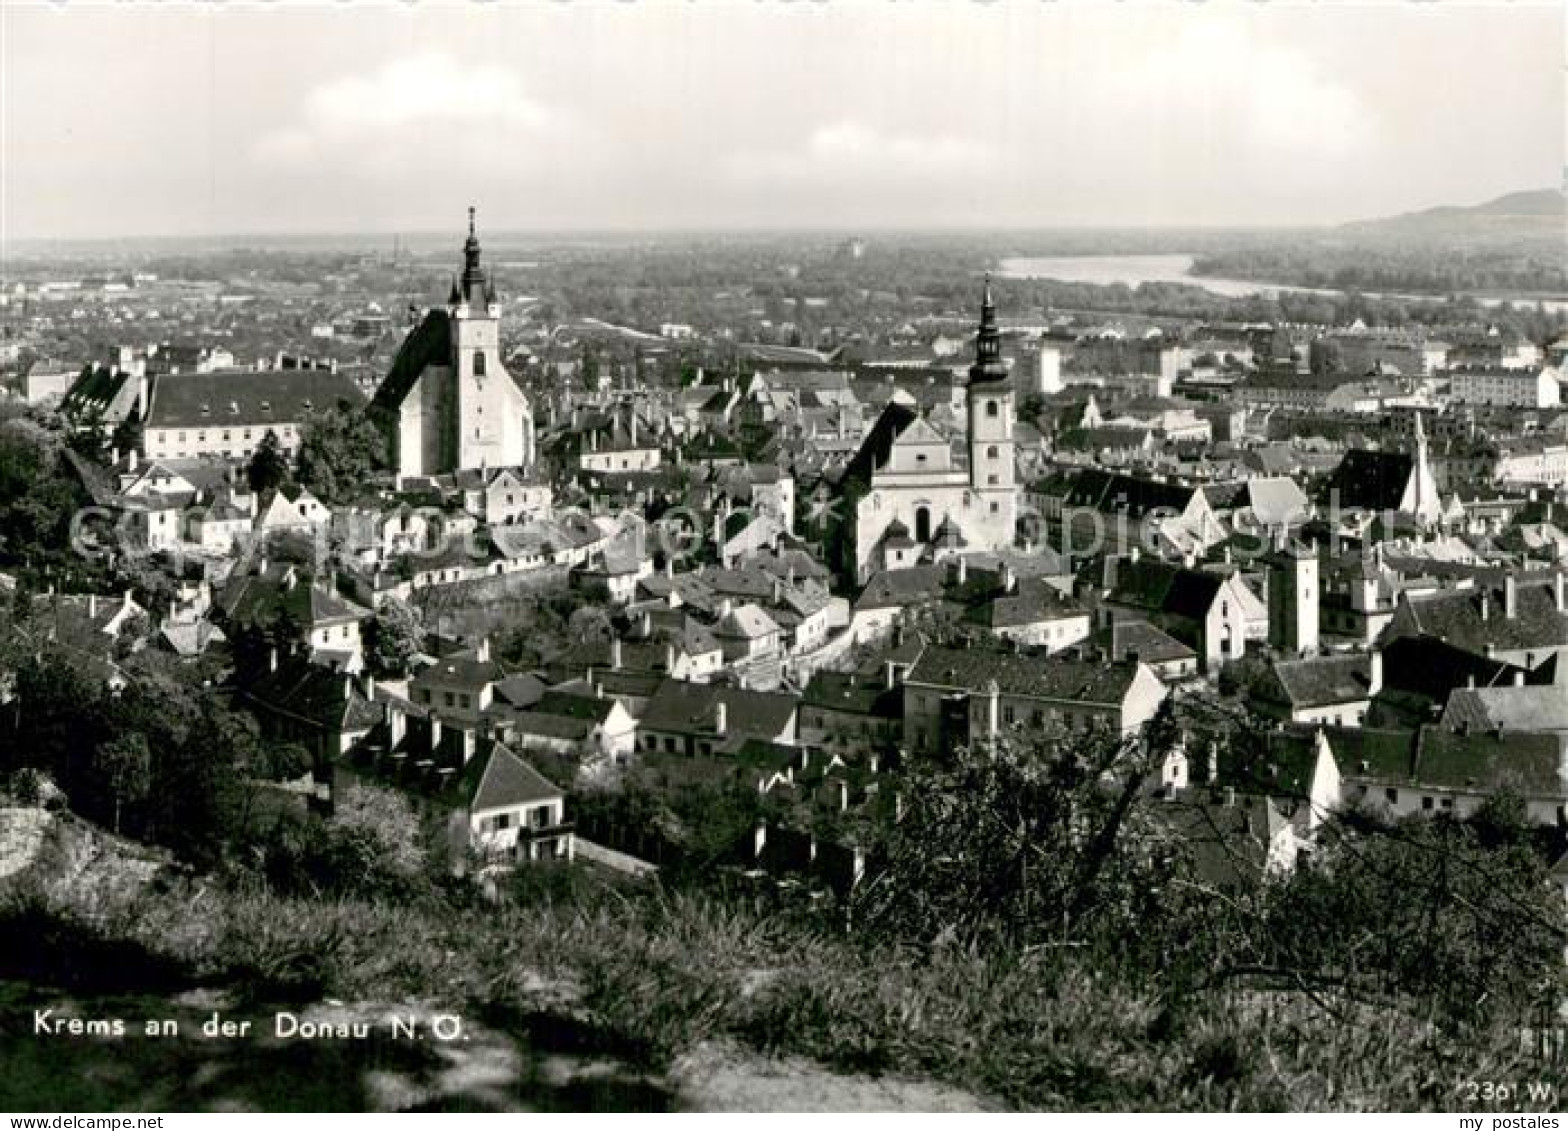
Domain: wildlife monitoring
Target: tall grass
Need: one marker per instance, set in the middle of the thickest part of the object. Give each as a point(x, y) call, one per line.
point(650, 975)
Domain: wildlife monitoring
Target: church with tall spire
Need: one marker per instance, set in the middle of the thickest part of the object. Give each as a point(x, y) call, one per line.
point(910, 498)
point(448, 403)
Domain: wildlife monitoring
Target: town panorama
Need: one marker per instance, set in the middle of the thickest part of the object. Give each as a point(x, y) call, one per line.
point(996, 668)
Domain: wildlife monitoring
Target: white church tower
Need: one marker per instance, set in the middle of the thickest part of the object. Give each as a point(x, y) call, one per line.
point(449, 404)
point(993, 470)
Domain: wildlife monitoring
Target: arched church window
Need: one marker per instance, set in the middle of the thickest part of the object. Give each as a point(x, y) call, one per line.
point(922, 524)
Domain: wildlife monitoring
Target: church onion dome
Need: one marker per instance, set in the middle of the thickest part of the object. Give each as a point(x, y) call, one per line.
point(989, 368)
point(475, 282)
point(897, 536)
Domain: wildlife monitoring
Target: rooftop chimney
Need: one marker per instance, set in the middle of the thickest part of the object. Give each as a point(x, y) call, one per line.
point(1374, 672)
point(482, 650)
point(1519, 679)
point(720, 718)
point(615, 654)
point(669, 659)
point(1560, 592)
point(1510, 597)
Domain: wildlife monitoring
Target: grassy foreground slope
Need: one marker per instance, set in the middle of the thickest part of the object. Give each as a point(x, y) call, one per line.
point(659, 980)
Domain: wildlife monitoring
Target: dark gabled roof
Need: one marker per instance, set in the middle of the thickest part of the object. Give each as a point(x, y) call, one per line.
point(248, 397)
point(1370, 480)
point(1322, 681)
point(1159, 586)
point(846, 692)
point(520, 690)
point(429, 343)
point(306, 691)
point(1226, 841)
point(499, 779)
point(1034, 601)
point(564, 704)
point(1455, 616)
point(1151, 645)
point(1433, 757)
point(547, 725)
point(895, 588)
point(878, 444)
point(1280, 765)
point(635, 685)
point(1433, 668)
point(1531, 708)
point(97, 388)
point(690, 708)
point(461, 671)
point(1113, 492)
point(1033, 676)
point(261, 601)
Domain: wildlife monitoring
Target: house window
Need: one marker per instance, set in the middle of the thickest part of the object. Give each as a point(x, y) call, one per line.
point(1392, 795)
point(991, 408)
point(541, 816)
point(503, 821)
point(450, 699)
point(1428, 804)
point(992, 451)
point(1008, 716)
point(465, 701)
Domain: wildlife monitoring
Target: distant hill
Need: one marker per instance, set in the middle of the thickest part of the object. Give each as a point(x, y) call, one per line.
point(1537, 214)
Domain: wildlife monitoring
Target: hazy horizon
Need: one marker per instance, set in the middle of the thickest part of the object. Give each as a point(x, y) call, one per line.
point(656, 119)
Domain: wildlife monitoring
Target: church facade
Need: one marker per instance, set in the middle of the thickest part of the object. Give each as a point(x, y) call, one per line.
point(909, 497)
point(448, 404)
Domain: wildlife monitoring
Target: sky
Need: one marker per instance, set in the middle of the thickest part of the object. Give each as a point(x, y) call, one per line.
point(205, 120)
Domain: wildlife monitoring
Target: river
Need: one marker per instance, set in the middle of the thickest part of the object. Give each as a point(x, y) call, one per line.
point(1131, 270)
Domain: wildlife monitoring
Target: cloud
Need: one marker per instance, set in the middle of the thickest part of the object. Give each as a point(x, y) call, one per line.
point(1224, 85)
point(852, 149)
point(458, 114)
